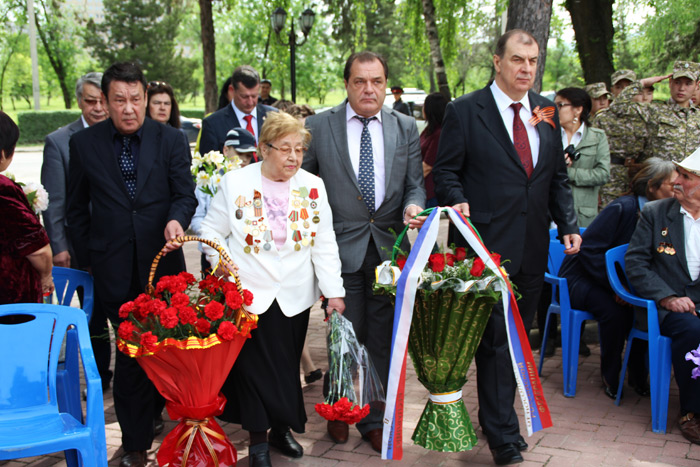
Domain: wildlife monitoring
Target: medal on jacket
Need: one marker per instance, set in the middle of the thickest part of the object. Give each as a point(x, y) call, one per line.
point(267, 236)
point(296, 236)
point(313, 194)
point(249, 241)
point(664, 232)
point(240, 202)
point(257, 203)
point(304, 215)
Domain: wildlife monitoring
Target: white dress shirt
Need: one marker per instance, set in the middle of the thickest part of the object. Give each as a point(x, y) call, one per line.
point(243, 123)
point(354, 129)
point(691, 228)
point(503, 103)
point(575, 139)
point(85, 123)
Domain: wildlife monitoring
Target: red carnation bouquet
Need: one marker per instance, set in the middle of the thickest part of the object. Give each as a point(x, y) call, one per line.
point(187, 335)
point(353, 382)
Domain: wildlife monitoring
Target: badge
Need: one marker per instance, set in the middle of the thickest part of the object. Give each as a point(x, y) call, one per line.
point(305, 242)
point(246, 249)
point(257, 250)
point(305, 203)
point(303, 192)
point(297, 203)
point(316, 220)
point(246, 229)
point(664, 232)
point(306, 224)
point(660, 249)
point(297, 247)
point(293, 226)
point(255, 232)
point(267, 247)
point(239, 213)
point(314, 205)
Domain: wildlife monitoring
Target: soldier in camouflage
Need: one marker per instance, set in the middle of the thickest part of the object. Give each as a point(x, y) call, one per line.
point(626, 139)
point(672, 127)
point(620, 80)
point(600, 97)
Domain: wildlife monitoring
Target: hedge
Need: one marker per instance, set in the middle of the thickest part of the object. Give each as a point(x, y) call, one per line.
point(35, 125)
point(192, 113)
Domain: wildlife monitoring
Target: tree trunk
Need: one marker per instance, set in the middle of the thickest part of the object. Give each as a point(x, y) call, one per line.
point(593, 29)
point(55, 59)
point(211, 94)
point(435, 53)
point(532, 16)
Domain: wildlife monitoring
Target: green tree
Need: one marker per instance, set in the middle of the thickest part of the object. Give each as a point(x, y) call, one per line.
point(145, 32)
point(673, 32)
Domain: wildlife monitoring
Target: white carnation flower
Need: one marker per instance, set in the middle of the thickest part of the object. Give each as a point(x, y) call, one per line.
point(203, 179)
point(215, 157)
point(37, 196)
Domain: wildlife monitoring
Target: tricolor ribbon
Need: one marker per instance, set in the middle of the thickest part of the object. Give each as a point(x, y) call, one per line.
point(537, 415)
point(539, 115)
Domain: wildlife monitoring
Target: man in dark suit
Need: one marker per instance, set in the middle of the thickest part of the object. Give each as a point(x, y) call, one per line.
point(244, 112)
point(663, 264)
point(129, 191)
point(54, 177)
point(506, 173)
point(369, 158)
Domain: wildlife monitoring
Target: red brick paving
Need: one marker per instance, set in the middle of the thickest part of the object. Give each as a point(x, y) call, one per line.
point(588, 430)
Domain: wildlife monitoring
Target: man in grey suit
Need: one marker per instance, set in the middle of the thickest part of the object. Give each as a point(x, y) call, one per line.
point(54, 170)
point(663, 264)
point(369, 158)
point(54, 177)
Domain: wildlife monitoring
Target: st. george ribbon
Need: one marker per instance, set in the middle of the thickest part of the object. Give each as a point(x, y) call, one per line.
point(537, 415)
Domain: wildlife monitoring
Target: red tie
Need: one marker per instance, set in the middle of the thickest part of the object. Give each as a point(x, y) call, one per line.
point(520, 140)
point(249, 127)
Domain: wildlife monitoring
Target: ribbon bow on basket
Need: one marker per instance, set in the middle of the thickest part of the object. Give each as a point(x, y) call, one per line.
point(442, 305)
point(186, 335)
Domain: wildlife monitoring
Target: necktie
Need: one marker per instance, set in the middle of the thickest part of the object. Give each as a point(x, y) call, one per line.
point(249, 126)
point(520, 139)
point(365, 177)
point(126, 164)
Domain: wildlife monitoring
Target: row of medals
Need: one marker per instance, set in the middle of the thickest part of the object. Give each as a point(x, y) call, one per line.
point(255, 226)
point(665, 247)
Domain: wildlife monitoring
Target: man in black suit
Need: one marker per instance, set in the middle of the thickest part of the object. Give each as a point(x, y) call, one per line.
point(129, 191)
point(507, 193)
point(244, 112)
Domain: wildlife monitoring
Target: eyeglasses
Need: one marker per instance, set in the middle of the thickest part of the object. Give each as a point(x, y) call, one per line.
point(562, 104)
point(155, 84)
point(286, 150)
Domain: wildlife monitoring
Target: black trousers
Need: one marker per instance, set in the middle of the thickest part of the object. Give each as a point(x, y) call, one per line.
point(101, 344)
point(372, 318)
point(684, 331)
point(495, 381)
point(136, 400)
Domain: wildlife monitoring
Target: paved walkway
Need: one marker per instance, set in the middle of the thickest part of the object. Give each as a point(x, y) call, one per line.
point(589, 430)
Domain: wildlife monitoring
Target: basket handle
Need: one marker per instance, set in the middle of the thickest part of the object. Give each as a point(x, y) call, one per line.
point(397, 245)
point(191, 238)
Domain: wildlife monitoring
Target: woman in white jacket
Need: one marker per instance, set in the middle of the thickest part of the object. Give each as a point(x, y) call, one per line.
point(275, 221)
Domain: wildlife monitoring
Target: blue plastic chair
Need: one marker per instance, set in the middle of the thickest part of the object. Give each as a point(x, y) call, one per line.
point(659, 346)
point(67, 282)
point(571, 319)
point(31, 423)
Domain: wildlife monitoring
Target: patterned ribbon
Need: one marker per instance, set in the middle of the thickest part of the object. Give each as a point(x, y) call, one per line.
point(535, 407)
point(542, 115)
point(199, 426)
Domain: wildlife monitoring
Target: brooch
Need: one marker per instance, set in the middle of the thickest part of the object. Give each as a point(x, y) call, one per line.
point(540, 115)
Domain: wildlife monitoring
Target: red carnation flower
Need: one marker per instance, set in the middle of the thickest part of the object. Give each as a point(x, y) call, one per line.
point(126, 330)
point(229, 287)
point(234, 300)
point(203, 326)
point(180, 300)
point(187, 315)
point(247, 297)
point(214, 310)
point(401, 262)
point(189, 278)
point(450, 259)
point(461, 253)
point(125, 309)
point(168, 318)
point(148, 341)
point(436, 262)
point(227, 330)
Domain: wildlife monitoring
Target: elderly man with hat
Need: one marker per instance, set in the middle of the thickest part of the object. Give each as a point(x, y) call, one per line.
point(399, 105)
point(673, 127)
point(663, 264)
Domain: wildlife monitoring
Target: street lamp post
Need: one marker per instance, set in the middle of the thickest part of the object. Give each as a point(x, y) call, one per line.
point(278, 18)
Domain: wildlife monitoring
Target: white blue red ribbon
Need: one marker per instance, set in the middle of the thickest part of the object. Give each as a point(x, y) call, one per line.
point(537, 415)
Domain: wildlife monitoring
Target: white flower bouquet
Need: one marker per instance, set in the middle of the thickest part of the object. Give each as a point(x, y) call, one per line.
point(36, 194)
point(209, 169)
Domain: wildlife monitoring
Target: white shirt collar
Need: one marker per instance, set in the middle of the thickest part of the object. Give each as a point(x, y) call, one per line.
point(503, 101)
point(240, 114)
point(688, 215)
point(85, 123)
point(350, 113)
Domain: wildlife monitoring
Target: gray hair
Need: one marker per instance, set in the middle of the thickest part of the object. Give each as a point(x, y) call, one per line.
point(653, 173)
point(94, 78)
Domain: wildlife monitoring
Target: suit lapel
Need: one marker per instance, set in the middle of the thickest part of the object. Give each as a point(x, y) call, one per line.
point(493, 122)
point(150, 137)
point(390, 131)
point(676, 232)
point(339, 133)
point(262, 113)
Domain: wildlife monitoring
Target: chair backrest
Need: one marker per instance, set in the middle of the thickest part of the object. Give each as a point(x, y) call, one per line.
point(67, 281)
point(27, 343)
point(556, 252)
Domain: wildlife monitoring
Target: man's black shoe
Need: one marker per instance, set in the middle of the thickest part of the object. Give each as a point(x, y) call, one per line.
point(507, 454)
point(521, 444)
point(285, 443)
point(259, 457)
